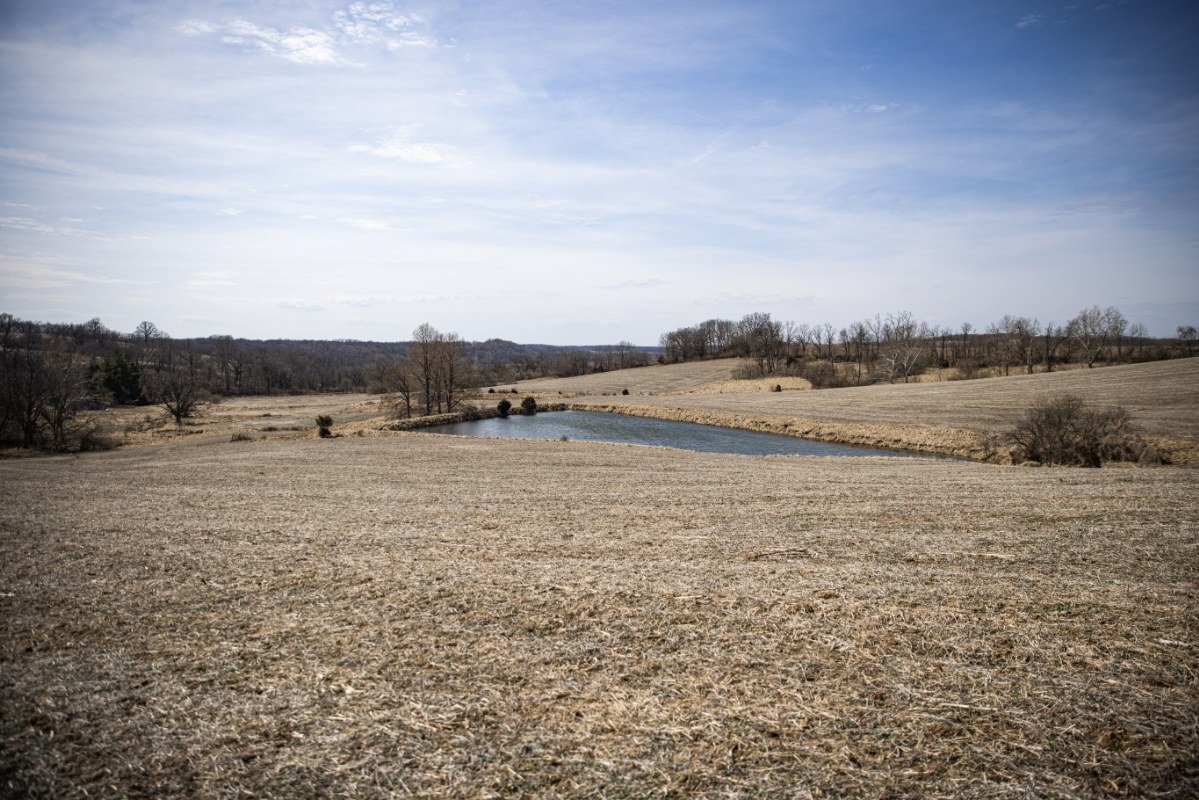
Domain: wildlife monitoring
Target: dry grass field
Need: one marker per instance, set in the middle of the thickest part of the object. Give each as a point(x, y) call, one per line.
point(406, 614)
point(652, 379)
point(947, 417)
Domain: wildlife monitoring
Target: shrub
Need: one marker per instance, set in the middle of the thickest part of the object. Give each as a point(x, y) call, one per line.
point(622, 391)
point(529, 404)
point(823, 375)
point(93, 441)
point(778, 387)
point(324, 422)
point(504, 407)
point(1065, 431)
point(241, 437)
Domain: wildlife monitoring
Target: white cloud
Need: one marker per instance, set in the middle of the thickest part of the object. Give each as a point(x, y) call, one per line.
point(357, 24)
point(195, 27)
point(26, 224)
point(1031, 21)
point(399, 146)
point(366, 224)
point(363, 302)
point(381, 22)
point(291, 304)
point(211, 280)
point(21, 274)
point(301, 45)
point(640, 283)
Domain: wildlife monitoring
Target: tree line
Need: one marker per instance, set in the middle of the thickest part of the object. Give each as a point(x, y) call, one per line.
point(49, 372)
point(899, 347)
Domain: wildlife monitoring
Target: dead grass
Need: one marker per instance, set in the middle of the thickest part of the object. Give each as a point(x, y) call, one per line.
point(652, 379)
point(950, 417)
point(442, 617)
point(953, 418)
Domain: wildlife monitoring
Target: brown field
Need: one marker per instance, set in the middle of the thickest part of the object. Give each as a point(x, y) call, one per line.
point(406, 614)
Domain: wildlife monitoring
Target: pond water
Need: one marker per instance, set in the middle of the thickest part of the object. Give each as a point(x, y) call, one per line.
point(601, 426)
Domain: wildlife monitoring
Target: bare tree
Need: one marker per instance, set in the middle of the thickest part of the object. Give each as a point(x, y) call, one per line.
point(1053, 338)
point(42, 388)
point(400, 385)
point(1115, 326)
point(904, 347)
point(1187, 336)
point(453, 368)
point(173, 378)
point(1089, 331)
point(63, 394)
point(437, 372)
point(1137, 334)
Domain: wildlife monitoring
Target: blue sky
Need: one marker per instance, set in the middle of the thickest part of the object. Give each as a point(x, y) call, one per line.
point(589, 172)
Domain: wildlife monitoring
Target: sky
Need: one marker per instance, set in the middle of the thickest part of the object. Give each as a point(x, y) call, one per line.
point(590, 172)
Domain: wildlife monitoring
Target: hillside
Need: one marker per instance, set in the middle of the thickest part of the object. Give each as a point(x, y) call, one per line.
point(950, 417)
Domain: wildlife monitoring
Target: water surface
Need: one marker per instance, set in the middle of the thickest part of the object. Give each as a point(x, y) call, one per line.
point(600, 426)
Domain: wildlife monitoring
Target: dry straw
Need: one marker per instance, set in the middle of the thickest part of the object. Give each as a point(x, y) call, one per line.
point(418, 615)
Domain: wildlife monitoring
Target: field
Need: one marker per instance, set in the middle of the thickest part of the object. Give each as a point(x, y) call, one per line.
point(405, 614)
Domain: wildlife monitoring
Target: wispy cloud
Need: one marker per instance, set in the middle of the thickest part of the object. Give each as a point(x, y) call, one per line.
point(371, 160)
point(211, 280)
point(639, 283)
point(363, 301)
point(292, 304)
point(374, 225)
point(26, 224)
point(399, 145)
point(357, 24)
point(301, 45)
point(381, 22)
point(26, 275)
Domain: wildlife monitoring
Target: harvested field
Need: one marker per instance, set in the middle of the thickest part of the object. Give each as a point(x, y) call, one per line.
point(432, 616)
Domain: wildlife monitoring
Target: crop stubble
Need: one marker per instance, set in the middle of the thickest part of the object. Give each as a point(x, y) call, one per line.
point(371, 617)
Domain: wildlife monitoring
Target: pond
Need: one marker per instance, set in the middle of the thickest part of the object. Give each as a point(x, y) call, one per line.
point(601, 426)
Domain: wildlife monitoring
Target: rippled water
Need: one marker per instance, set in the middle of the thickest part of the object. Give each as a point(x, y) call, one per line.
point(604, 427)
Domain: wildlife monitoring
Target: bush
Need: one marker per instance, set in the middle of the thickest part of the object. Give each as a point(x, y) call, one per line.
point(324, 422)
point(1064, 431)
point(529, 404)
point(823, 375)
point(504, 407)
point(622, 391)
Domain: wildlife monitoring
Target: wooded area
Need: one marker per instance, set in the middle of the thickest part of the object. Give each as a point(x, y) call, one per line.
point(50, 372)
point(898, 347)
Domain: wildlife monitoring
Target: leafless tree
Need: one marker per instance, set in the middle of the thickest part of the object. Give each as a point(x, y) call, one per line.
point(1089, 331)
point(1187, 337)
point(436, 371)
point(1052, 339)
point(173, 379)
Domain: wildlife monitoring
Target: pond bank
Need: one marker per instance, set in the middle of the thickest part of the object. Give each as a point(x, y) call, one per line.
point(912, 438)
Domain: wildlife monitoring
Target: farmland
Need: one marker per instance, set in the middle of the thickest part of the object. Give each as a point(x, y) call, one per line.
point(398, 614)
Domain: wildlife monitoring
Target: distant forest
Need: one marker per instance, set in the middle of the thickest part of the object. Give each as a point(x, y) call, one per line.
point(898, 347)
point(50, 372)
